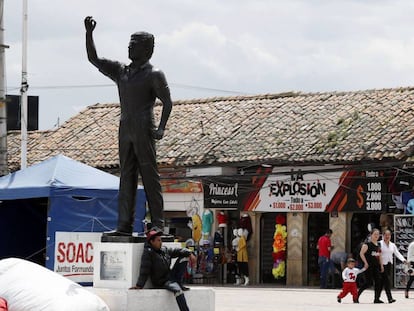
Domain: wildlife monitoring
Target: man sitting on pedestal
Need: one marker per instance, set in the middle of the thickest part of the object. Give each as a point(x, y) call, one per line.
point(156, 262)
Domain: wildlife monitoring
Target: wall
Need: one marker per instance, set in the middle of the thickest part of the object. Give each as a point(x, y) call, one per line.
point(339, 227)
point(296, 239)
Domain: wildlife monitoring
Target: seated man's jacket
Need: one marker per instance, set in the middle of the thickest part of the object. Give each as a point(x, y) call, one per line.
point(156, 264)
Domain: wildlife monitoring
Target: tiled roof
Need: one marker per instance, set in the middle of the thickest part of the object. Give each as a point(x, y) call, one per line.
point(282, 129)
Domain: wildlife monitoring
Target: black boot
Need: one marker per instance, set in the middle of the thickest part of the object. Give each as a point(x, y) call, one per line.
point(182, 303)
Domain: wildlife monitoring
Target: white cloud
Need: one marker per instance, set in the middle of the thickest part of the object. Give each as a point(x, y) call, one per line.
point(252, 46)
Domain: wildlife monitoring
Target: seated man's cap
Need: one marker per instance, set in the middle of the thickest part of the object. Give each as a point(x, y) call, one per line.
point(153, 232)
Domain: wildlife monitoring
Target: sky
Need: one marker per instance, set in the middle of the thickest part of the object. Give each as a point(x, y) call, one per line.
point(211, 48)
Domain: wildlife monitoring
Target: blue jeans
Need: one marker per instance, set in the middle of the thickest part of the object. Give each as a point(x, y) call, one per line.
point(324, 264)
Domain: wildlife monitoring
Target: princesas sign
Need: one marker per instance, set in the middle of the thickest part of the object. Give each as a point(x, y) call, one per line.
point(221, 194)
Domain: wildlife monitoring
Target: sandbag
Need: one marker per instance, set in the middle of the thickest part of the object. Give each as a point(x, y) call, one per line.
point(3, 305)
point(27, 286)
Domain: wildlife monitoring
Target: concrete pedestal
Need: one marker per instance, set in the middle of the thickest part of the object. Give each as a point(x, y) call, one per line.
point(116, 265)
point(198, 299)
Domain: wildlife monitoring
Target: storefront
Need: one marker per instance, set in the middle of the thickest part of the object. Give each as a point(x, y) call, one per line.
point(288, 211)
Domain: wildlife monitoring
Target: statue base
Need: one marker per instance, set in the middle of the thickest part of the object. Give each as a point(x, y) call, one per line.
point(117, 264)
point(123, 239)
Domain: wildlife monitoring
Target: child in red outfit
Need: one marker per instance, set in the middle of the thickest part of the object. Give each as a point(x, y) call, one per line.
point(349, 275)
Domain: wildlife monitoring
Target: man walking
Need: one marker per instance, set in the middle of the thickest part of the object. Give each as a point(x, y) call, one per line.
point(324, 254)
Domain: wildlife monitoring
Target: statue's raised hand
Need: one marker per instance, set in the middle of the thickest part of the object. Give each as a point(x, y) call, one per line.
point(90, 23)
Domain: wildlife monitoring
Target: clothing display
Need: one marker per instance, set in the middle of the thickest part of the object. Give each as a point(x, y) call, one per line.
point(222, 219)
point(242, 258)
point(246, 223)
point(207, 220)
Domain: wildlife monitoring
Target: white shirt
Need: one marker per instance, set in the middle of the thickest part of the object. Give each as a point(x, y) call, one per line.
point(410, 254)
point(387, 252)
point(350, 275)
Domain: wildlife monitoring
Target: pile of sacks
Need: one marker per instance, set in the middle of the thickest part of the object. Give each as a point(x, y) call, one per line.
point(26, 286)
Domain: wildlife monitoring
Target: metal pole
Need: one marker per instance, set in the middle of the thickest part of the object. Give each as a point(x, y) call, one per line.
point(3, 109)
point(23, 91)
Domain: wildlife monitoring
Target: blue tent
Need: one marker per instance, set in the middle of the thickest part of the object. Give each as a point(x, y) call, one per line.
point(58, 194)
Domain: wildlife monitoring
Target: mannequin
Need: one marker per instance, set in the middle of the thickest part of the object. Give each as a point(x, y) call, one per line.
point(246, 223)
point(242, 256)
point(235, 248)
point(207, 223)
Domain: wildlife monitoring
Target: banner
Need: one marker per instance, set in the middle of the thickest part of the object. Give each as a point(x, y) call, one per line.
point(74, 255)
point(355, 191)
point(223, 193)
point(297, 192)
point(361, 191)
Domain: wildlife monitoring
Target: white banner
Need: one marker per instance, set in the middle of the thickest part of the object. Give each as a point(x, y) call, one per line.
point(298, 192)
point(74, 255)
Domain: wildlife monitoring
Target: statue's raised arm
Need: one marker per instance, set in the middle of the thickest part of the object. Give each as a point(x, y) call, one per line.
point(90, 25)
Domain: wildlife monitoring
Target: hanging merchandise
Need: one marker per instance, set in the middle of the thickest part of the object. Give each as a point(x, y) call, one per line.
point(196, 227)
point(279, 248)
point(222, 219)
point(195, 224)
point(207, 220)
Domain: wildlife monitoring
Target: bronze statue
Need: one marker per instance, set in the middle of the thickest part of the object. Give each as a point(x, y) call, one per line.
point(139, 84)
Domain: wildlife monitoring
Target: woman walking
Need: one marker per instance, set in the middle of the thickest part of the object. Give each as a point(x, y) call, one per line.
point(371, 257)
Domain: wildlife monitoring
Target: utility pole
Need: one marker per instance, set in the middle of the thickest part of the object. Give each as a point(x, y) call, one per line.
point(3, 110)
point(23, 92)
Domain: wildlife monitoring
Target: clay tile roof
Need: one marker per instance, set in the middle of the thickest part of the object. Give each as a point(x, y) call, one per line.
point(282, 129)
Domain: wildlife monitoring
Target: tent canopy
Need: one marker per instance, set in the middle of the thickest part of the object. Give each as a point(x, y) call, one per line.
point(80, 198)
point(56, 173)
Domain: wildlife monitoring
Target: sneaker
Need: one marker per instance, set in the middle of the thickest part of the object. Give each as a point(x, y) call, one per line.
point(392, 300)
point(338, 299)
point(378, 301)
point(356, 301)
point(406, 294)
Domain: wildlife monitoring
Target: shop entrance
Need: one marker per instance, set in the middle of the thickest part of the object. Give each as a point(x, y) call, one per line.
point(268, 258)
point(318, 224)
point(359, 229)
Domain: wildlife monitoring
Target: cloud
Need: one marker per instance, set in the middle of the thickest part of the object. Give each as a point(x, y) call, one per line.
point(260, 46)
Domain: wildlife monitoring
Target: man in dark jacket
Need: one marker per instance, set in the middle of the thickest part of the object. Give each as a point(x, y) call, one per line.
point(156, 262)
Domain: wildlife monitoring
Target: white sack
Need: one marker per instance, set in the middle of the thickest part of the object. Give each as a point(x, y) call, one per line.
point(27, 286)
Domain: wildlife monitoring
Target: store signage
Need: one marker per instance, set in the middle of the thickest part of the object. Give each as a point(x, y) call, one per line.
point(221, 193)
point(298, 192)
point(74, 255)
point(361, 191)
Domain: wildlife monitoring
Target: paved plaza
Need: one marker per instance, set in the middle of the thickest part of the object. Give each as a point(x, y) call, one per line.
point(309, 299)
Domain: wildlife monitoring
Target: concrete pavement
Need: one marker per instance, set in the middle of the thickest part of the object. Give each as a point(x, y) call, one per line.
point(306, 299)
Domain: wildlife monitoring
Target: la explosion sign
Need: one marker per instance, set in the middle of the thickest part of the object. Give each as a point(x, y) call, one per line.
point(303, 193)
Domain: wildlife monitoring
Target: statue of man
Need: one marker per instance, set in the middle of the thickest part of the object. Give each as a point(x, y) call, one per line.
point(139, 84)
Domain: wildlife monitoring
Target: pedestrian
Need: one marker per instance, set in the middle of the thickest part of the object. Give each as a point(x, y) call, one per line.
point(388, 250)
point(139, 85)
point(339, 260)
point(324, 254)
point(410, 270)
point(370, 255)
point(156, 262)
point(338, 264)
point(349, 285)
